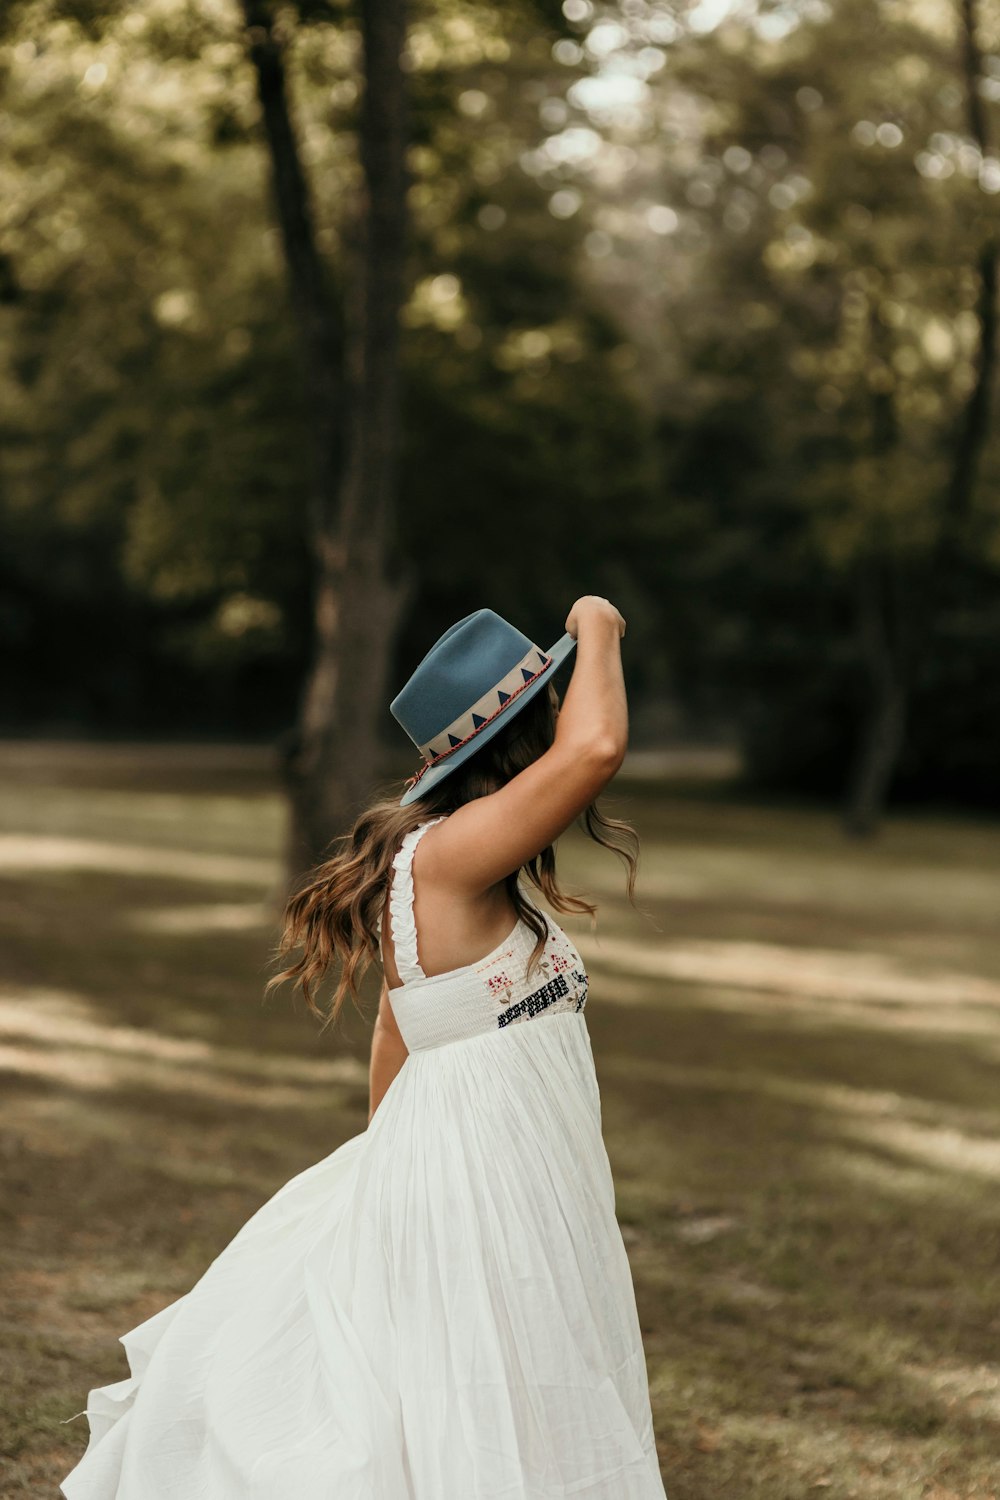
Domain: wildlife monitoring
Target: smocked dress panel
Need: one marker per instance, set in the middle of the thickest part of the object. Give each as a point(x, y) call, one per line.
point(484, 996)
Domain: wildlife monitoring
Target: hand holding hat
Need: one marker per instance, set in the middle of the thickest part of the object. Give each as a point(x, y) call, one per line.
point(593, 602)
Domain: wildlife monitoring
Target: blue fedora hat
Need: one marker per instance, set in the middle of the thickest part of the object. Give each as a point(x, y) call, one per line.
point(465, 690)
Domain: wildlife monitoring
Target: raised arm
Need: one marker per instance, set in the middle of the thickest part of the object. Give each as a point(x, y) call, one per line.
point(489, 838)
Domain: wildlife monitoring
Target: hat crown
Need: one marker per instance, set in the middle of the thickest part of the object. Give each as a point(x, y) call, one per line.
point(459, 671)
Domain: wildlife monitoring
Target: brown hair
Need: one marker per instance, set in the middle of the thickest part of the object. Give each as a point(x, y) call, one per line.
point(335, 912)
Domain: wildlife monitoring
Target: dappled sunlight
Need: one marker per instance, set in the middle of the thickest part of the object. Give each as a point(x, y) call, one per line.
point(974, 1389)
point(838, 1098)
point(873, 986)
point(76, 1070)
point(793, 1060)
point(932, 1137)
point(841, 1099)
point(819, 871)
point(34, 852)
point(59, 1038)
point(948, 1149)
point(872, 1172)
point(187, 921)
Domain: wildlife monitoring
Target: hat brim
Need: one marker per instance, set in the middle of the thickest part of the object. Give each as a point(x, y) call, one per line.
point(437, 773)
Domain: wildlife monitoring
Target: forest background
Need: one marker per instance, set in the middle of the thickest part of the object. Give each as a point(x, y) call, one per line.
point(697, 309)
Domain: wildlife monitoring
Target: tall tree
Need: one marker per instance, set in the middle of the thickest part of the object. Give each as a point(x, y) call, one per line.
point(352, 373)
point(899, 606)
point(973, 427)
point(883, 605)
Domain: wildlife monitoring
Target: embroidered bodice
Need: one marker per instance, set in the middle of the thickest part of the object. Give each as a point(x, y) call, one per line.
point(485, 996)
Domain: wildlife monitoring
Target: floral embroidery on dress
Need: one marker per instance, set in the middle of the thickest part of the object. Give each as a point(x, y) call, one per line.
point(564, 987)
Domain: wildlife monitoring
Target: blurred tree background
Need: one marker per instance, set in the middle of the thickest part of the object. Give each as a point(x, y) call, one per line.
point(699, 312)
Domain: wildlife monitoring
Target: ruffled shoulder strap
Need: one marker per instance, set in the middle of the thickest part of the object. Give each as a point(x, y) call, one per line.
point(400, 903)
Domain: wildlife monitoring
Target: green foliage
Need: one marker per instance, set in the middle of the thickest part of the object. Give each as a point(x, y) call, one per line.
point(152, 429)
point(692, 322)
point(156, 449)
point(809, 332)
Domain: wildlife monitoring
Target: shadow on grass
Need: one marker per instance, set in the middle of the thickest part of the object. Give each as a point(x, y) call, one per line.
point(814, 1245)
point(798, 1069)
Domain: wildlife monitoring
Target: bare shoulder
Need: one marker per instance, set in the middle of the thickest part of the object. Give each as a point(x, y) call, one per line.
point(482, 842)
point(457, 922)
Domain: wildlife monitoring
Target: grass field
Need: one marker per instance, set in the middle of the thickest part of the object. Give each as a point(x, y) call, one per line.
point(798, 1047)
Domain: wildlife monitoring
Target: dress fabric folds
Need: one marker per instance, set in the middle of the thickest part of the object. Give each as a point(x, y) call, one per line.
point(441, 1309)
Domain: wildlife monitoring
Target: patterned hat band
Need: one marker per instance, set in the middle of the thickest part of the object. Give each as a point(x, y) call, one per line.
point(484, 711)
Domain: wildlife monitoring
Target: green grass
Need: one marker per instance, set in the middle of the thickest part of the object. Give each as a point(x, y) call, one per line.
point(798, 1046)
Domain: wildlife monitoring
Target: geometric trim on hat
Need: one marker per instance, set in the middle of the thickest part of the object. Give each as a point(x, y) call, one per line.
point(531, 665)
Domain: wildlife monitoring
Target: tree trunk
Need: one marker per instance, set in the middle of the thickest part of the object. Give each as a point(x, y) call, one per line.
point(319, 323)
point(883, 728)
point(882, 632)
point(974, 425)
point(332, 755)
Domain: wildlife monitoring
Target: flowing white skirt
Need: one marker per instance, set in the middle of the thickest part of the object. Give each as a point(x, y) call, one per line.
point(442, 1309)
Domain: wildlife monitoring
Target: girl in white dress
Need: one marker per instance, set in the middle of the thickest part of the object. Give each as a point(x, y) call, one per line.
point(442, 1309)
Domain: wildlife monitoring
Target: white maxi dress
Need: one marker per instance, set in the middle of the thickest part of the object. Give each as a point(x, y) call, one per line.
point(442, 1309)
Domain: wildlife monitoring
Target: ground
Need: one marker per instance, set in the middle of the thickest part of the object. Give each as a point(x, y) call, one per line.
point(798, 1046)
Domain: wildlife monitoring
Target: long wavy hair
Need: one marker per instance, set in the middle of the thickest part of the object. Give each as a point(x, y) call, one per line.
point(333, 915)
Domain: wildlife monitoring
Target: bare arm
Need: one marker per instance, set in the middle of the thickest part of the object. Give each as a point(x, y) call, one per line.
point(389, 1052)
point(485, 840)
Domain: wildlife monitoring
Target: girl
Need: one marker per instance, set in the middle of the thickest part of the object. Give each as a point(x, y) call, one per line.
point(443, 1308)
